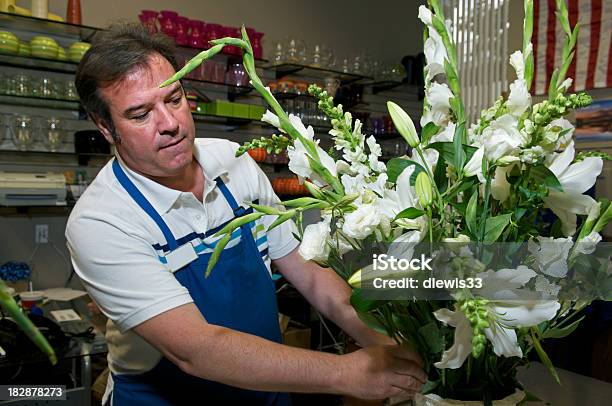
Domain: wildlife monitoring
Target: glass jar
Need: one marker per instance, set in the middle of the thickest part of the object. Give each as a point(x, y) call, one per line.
point(54, 135)
point(236, 75)
point(23, 134)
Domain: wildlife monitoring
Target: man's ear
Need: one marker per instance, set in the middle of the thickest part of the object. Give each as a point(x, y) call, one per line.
point(104, 128)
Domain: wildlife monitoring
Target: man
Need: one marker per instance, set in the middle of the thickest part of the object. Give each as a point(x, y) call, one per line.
point(142, 234)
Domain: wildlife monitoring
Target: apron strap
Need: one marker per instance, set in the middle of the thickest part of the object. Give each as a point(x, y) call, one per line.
point(238, 210)
point(142, 201)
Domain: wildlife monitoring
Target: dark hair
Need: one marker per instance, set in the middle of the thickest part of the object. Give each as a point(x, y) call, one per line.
point(113, 54)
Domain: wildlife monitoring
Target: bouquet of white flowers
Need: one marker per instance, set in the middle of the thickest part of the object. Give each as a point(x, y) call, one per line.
point(462, 190)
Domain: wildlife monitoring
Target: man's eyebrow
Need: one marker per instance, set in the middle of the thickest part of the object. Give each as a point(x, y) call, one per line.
point(132, 109)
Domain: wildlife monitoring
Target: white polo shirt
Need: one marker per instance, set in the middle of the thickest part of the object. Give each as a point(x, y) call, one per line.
point(118, 251)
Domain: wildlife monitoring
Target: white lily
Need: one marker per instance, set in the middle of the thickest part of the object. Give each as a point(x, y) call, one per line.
point(551, 254)
point(508, 316)
point(575, 179)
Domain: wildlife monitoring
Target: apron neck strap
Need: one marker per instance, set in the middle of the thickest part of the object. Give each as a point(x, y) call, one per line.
point(142, 201)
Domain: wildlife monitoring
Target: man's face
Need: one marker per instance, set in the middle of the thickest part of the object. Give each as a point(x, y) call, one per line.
point(155, 125)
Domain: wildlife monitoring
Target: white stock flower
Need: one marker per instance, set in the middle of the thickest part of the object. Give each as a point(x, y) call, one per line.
point(519, 99)
point(507, 317)
point(315, 243)
point(375, 153)
point(362, 222)
point(552, 133)
point(502, 138)
point(532, 155)
point(551, 254)
point(575, 179)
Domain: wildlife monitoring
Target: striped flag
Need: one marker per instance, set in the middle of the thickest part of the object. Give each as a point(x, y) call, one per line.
point(592, 65)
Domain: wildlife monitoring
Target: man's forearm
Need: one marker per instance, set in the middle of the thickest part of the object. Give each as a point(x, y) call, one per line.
point(250, 362)
point(330, 295)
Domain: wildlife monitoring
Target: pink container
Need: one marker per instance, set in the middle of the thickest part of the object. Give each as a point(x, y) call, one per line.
point(182, 30)
point(196, 37)
point(167, 22)
point(148, 18)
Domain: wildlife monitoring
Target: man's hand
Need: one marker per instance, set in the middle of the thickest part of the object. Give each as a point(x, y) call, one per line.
point(381, 372)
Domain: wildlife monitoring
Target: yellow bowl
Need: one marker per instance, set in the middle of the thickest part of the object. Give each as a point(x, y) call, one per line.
point(61, 54)
point(79, 46)
point(24, 49)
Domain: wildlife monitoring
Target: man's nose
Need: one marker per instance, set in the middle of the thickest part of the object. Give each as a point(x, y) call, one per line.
point(167, 123)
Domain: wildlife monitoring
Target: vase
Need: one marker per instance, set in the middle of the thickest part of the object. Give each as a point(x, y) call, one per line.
point(73, 12)
point(435, 400)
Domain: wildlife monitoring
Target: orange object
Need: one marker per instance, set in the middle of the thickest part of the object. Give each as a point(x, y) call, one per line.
point(73, 12)
point(258, 154)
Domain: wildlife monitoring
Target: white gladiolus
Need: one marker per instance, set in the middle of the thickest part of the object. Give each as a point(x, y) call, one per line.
point(588, 244)
point(362, 222)
point(519, 99)
point(425, 15)
point(315, 243)
point(271, 119)
point(298, 161)
point(438, 97)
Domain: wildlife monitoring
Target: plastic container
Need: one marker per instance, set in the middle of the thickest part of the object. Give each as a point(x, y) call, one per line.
point(31, 298)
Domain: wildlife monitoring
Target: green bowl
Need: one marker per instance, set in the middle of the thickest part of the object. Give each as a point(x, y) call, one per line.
point(44, 41)
point(61, 54)
point(24, 49)
point(79, 46)
point(9, 44)
point(44, 53)
point(8, 36)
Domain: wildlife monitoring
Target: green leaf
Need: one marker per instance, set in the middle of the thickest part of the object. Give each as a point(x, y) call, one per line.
point(440, 175)
point(372, 322)
point(217, 253)
point(447, 151)
point(429, 386)
point(396, 165)
point(495, 226)
point(433, 337)
point(552, 87)
point(562, 332)
point(429, 131)
point(362, 305)
point(409, 213)
point(459, 152)
point(470, 212)
point(543, 356)
point(543, 176)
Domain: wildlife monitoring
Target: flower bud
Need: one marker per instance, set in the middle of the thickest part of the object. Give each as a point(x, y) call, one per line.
point(403, 123)
point(423, 189)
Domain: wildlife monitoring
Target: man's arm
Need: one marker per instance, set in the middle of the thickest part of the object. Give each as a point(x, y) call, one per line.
point(330, 295)
point(216, 353)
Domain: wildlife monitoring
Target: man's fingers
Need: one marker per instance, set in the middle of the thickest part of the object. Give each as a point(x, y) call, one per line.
point(409, 368)
point(408, 354)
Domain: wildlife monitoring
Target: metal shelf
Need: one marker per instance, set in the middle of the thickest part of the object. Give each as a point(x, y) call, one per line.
point(16, 22)
point(32, 101)
point(288, 68)
point(31, 62)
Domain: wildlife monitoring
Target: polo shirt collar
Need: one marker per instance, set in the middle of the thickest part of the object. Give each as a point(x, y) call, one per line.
point(162, 198)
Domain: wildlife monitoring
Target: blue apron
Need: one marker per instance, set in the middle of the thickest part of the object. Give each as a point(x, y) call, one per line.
point(239, 294)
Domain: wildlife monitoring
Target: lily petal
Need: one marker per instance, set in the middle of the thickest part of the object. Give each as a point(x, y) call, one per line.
point(562, 160)
point(526, 314)
point(504, 342)
point(455, 356)
point(581, 176)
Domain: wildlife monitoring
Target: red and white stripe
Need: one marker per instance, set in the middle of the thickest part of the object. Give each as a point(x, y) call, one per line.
point(592, 65)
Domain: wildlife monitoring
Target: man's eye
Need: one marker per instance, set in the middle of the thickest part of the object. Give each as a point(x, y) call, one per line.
point(176, 100)
point(141, 116)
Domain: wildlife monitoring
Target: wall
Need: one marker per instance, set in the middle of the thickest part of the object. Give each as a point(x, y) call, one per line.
point(385, 29)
